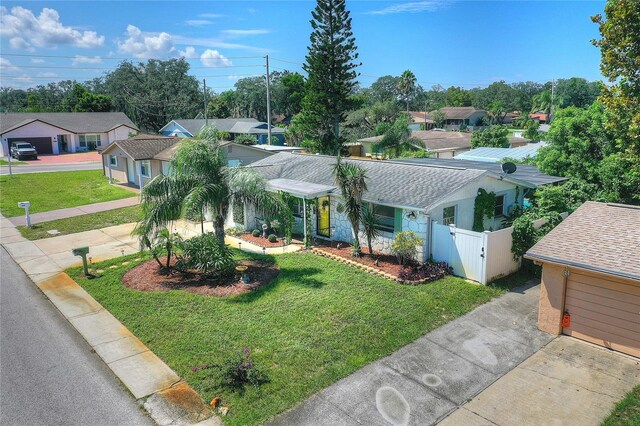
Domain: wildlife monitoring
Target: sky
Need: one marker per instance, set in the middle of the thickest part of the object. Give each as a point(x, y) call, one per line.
point(446, 42)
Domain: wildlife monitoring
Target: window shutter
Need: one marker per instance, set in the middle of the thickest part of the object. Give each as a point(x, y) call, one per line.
point(397, 225)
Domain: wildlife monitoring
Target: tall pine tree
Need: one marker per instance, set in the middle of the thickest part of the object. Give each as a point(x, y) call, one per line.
point(330, 64)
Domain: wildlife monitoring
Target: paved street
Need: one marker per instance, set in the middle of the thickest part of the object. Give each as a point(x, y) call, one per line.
point(43, 168)
point(48, 375)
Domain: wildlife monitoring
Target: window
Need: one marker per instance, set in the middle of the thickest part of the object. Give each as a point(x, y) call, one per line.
point(166, 168)
point(113, 161)
point(298, 208)
point(89, 141)
point(449, 215)
point(145, 168)
point(499, 209)
point(386, 217)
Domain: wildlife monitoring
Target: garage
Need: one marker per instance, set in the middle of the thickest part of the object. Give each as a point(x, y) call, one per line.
point(590, 287)
point(42, 145)
point(603, 311)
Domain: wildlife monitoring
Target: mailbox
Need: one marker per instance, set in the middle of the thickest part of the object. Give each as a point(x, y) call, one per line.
point(27, 218)
point(24, 204)
point(82, 252)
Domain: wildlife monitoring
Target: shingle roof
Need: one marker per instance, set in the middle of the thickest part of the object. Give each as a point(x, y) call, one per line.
point(231, 125)
point(597, 236)
point(498, 154)
point(143, 148)
point(75, 122)
point(435, 140)
point(389, 183)
point(525, 173)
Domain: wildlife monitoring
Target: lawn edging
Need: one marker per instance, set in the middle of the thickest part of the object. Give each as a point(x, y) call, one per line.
point(167, 398)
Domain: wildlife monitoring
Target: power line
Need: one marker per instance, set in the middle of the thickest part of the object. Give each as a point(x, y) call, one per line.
point(110, 68)
point(30, 55)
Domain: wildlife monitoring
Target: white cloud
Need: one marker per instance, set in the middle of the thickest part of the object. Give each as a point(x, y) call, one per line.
point(37, 61)
point(214, 43)
point(412, 7)
point(213, 58)
point(188, 52)
point(48, 74)
point(239, 33)
point(198, 22)
point(147, 45)
point(26, 31)
point(79, 59)
point(210, 15)
point(6, 65)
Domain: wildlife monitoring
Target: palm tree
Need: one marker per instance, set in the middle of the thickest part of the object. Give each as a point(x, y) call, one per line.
point(397, 138)
point(407, 85)
point(200, 181)
point(351, 179)
point(370, 224)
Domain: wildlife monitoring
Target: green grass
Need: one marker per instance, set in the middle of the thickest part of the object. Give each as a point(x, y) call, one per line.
point(317, 322)
point(13, 163)
point(52, 191)
point(627, 411)
point(87, 222)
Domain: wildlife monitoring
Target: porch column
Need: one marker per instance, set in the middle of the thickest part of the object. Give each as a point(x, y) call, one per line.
point(140, 174)
point(110, 174)
point(304, 218)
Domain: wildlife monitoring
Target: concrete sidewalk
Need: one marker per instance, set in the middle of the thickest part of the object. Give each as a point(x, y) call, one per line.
point(76, 211)
point(426, 380)
point(167, 398)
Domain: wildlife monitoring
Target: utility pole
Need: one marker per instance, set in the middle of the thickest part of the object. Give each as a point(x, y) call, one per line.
point(206, 117)
point(553, 86)
point(268, 105)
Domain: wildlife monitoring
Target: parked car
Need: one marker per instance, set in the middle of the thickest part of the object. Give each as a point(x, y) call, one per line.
point(23, 150)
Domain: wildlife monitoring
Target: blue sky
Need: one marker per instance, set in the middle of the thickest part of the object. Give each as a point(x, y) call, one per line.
point(447, 42)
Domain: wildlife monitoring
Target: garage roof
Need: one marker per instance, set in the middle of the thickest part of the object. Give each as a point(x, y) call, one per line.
point(74, 122)
point(143, 147)
point(597, 236)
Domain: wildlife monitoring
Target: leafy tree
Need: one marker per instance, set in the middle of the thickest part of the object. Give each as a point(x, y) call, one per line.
point(153, 93)
point(371, 120)
point(407, 86)
point(245, 139)
point(251, 98)
point(200, 182)
point(223, 105)
point(620, 62)
point(576, 92)
point(531, 130)
point(457, 97)
point(397, 138)
point(209, 133)
point(288, 92)
point(352, 181)
point(384, 89)
point(439, 118)
point(495, 136)
point(330, 65)
point(542, 102)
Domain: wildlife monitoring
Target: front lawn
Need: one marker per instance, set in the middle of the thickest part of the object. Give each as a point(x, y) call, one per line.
point(13, 163)
point(52, 191)
point(317, 322)
point(86, 222)
point(627, 411)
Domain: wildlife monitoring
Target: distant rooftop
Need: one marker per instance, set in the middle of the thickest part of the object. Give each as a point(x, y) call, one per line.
point(498, 154)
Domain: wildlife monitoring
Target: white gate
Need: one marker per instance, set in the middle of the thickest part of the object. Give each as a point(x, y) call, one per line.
point(463, 250)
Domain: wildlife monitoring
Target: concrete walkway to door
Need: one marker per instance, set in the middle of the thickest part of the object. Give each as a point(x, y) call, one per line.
point(76, 211)
point(426, 380)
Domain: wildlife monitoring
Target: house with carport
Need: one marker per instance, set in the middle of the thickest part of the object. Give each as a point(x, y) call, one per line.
point(591, 276)
point(60, 132)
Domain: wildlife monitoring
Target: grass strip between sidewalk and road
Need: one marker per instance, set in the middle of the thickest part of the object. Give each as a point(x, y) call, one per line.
point(13, 163)
point(83, 223)
point(316, 323)
point(57, 190)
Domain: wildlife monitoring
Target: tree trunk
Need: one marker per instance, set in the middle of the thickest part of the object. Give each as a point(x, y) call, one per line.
point(168, 258)
point(218, 228)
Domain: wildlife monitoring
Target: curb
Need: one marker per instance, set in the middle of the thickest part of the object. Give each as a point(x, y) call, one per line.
point(164, 395)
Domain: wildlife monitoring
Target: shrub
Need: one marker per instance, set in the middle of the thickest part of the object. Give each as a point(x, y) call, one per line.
point(235, 373)
point(405, 246)
point(256, 232)
point(272, 238)
point(207, 255)
point(235, 231)
point(429, 271)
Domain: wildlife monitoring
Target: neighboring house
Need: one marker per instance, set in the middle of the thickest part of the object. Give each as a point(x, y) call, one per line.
point(144, 157)
point(189, 128)
point(405, 197)
point(455, 117)
point(541, 117)
point(591, 276)
point(442, 144)
point(496, 155)
point(58, 132)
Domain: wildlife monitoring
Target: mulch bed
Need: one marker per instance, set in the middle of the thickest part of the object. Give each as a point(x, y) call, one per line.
point(386, 263)
point(148, 276)
point(261, 242)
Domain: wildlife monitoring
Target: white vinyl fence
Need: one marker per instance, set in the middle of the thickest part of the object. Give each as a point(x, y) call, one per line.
point(478, 256)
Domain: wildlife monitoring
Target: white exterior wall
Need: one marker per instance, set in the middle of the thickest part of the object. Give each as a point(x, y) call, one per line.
point(36, 129)
point(464, 200)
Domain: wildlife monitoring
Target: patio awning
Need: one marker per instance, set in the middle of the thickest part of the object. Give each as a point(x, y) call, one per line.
point(300, 188)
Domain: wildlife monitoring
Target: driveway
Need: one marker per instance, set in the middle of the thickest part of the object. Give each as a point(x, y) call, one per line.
point(568, 382)
point(75, 157)
point(428, 379)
